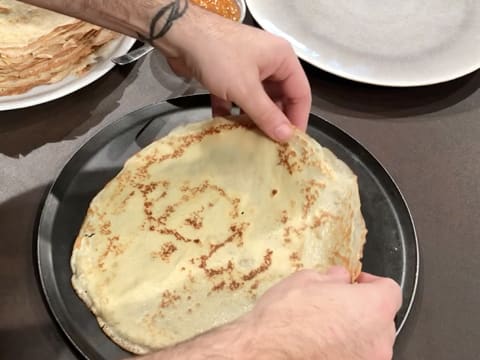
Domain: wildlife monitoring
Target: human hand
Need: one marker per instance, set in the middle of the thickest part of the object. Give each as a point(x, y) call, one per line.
point(314, 316)
point(306, 316)
point(237, 63)
point(257, 71)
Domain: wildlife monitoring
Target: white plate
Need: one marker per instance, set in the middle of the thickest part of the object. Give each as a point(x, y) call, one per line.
point(44, 93)
point(382, 42)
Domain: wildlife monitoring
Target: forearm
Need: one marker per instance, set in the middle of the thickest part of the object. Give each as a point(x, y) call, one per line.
point(132, 18)
point(246, 338)
point(232, 341)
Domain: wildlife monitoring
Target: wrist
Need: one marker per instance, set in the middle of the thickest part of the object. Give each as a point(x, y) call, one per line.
point(185, 34)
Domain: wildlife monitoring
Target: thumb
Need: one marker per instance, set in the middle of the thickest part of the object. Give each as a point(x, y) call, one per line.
point(263, 111)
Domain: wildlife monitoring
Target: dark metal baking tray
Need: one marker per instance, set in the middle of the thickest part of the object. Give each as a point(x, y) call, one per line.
point(391, 249)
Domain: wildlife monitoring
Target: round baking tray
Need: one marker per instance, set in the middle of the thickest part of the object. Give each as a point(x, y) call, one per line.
point(391, 248)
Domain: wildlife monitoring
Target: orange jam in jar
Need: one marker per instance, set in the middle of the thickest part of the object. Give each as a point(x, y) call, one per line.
point(225, 8)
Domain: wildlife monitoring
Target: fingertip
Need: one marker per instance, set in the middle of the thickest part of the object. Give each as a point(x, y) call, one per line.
point(283, 132)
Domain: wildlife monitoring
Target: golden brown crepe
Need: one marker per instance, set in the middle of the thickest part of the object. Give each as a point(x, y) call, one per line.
point(199, 224)
point(38, 46)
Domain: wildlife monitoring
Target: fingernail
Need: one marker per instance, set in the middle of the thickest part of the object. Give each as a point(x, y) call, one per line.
point(283, 132)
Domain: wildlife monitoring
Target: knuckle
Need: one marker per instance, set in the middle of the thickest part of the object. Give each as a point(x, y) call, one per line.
point(278, 43)
point(284, 45)
point(237, 95)
point(244, 90)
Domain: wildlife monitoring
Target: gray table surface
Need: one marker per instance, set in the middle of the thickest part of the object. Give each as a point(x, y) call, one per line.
point(428, 139)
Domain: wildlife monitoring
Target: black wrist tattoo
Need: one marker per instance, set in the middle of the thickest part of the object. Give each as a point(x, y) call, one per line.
point(170, 12)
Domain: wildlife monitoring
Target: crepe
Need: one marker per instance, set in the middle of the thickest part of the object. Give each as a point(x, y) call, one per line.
point(199, 224)
point(38, 46)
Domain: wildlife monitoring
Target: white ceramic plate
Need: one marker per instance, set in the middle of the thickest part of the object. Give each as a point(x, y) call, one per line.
point(382, 42)
point(44, 93)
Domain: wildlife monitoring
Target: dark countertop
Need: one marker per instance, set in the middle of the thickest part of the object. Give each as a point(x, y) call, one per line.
point(427, 138)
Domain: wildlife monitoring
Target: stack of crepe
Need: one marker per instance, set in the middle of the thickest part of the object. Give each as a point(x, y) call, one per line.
point(38, 46)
